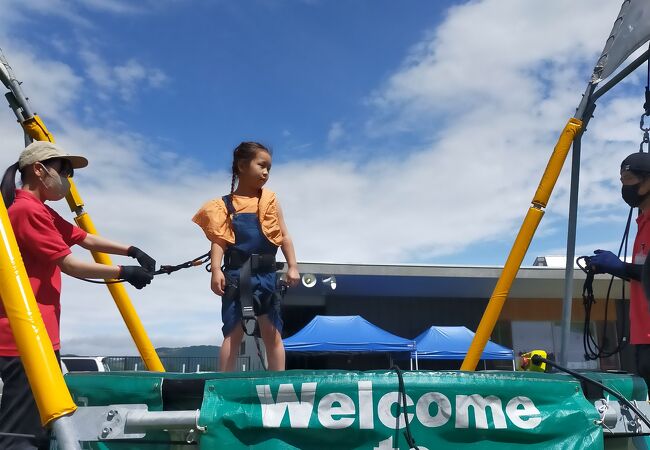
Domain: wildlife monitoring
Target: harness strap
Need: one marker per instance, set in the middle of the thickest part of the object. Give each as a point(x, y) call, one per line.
point(227, 200)
point(235, 258)
point(246, 297)
point(253, 265)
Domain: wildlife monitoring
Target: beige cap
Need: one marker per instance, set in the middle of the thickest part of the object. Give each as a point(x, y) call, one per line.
point(41, 150)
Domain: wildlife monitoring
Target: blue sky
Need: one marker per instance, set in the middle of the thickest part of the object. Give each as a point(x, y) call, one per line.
point(403, 132)
point(277, 71)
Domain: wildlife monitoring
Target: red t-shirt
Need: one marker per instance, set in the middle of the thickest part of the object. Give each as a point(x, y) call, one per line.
point(639, 306)
point(43, 238)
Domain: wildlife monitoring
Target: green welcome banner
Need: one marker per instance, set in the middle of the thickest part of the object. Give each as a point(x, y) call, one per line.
point(359, 410)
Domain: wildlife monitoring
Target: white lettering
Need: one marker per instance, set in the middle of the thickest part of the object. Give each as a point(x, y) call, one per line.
point(479, 404)
point(386, 444)
point(443, 414)
point(385, 413)
point(366, 416)
point(337, 410)
point(517, 415)
point(299, 411)
point(327, 411)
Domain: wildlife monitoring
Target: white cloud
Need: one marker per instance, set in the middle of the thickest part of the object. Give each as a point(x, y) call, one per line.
point(23, 13)
point(73, 10)
point(125, 79)
point(497, 51)
point(489, 90)
point(111, 6)
point(335, 132)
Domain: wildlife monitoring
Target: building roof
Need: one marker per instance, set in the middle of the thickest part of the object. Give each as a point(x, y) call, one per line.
point(442, 281)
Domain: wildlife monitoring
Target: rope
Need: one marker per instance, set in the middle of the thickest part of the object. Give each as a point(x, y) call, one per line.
point(164, 269)
point(646, 113)
point(537, 360)
point(646, 105)
point(410, 440)
point(592, 349)
point(198, 261)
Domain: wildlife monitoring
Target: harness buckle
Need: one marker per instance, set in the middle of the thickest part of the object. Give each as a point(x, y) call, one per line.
point(250, 330)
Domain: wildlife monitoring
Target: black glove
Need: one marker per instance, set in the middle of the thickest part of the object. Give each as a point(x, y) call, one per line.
point(146, 261)
point(136, 275)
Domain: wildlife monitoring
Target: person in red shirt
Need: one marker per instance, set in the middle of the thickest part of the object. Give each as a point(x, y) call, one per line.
point(44, 239)
point(635, 190)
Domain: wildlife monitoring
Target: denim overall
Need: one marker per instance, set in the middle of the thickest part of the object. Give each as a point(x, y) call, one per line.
point(250, 239)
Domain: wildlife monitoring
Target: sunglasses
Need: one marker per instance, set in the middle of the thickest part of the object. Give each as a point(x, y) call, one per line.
point(65, 167)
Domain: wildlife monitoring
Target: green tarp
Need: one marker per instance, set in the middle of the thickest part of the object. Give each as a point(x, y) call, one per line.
point(446, 410)
point(358, 410)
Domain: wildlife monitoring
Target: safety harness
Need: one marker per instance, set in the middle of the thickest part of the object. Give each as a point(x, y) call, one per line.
point(248, 265)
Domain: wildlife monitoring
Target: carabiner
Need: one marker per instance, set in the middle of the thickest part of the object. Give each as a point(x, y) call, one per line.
point(642, 124)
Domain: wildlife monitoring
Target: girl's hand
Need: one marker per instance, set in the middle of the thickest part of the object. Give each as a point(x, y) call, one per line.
point(293, 276)
point(218, 281)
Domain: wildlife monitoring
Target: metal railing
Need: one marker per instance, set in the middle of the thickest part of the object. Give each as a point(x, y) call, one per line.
point(182, 364)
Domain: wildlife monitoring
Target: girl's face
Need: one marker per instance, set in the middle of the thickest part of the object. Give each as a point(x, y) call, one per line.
point(256, 172)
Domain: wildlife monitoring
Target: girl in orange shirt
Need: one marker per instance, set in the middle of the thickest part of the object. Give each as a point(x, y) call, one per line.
point(245, 222)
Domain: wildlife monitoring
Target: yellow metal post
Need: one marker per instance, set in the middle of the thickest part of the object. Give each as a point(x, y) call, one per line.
point(124, 305)
point(45, 378)
point(37, 131)
point(521, 244)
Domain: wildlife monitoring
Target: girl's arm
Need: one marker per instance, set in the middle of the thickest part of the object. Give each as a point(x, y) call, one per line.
point(293, 276)
point(218, 279)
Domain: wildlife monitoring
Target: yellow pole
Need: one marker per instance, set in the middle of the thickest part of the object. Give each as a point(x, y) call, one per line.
point(37, 130)
point(43, 372)
point(521, 244)
point(124, 305)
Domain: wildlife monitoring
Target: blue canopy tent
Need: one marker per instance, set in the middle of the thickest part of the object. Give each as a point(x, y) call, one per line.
point(346, 334)
point(453, 343)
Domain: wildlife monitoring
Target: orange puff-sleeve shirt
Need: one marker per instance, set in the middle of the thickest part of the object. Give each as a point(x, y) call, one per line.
point(215, 222)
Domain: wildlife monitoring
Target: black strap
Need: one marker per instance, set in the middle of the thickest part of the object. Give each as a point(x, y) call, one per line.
point(253, 265)
point(235, 258)
point(646, 105)
point(227, 200)
point(246, 297)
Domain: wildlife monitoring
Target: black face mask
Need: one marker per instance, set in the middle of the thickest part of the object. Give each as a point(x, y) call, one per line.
point(630, 194)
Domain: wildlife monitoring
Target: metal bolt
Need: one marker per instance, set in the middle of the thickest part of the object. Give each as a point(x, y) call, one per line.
point(191, 436)
point(111, 414)
point(210, 388)
point(106, 431)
